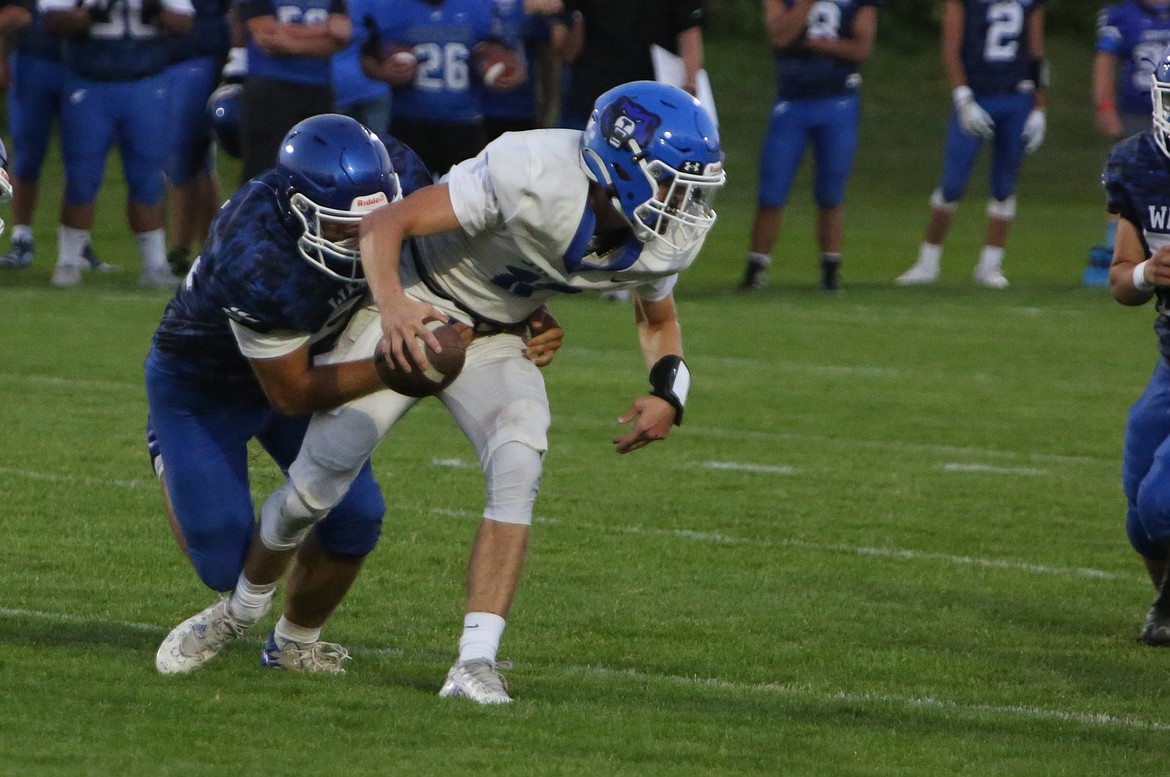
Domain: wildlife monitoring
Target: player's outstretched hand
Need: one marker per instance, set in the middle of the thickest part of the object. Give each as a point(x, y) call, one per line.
point(1034, 128)
point(545, 337)
point(652, 418)
point(403, 325)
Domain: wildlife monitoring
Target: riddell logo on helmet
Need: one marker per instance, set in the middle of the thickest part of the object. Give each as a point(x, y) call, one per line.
point(369, 203)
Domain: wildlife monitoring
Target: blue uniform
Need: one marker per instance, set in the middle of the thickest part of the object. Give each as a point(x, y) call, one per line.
point(355, 93)
point(35, 93)
point(1137, 188)
point(998, 62)
point(1135, 34)
point(116, 90)
point(443, 35)
point(528, 34)
point(192, 76)
point(205, 401)
point(297, 70)
point(817, 102)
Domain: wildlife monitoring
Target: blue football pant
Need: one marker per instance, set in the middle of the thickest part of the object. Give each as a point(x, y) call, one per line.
point(1146, 467)
point(1009, 112)
point(829, 124)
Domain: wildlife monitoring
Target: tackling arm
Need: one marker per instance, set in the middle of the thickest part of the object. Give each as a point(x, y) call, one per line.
point(295, 386)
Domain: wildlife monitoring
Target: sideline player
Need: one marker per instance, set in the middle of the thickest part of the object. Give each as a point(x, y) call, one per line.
point(993, 56)
point(625, 204)
point(1137, 188)
point(819, 48)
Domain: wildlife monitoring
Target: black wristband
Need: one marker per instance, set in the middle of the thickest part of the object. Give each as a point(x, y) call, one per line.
point(671, 380)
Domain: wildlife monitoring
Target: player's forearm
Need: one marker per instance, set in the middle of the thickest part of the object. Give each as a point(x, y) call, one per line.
point(307, 40)
point(174, 23)
point(1104, 81)
point(659, 333)
point(1131, 278)
point(690, 50)
point(70, 23)
point(785, 24)
point(853, 51)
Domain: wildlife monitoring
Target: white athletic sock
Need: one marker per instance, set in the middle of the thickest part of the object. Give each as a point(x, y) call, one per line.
point(286, 631)
point(71, 245)
point(249, 601)
point(763, 260)
point(152, 249)
point(22, 233)
point(482, 632)
point(991, 257)
point(929, 254)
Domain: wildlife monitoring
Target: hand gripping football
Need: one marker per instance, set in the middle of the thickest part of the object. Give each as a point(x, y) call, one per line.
point(431, 377)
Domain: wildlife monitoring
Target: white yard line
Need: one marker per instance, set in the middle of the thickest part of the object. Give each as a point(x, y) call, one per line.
point(817, 695)
point(989, 469)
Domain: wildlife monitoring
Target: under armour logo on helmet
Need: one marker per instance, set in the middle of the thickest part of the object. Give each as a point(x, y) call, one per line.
point(694, 168)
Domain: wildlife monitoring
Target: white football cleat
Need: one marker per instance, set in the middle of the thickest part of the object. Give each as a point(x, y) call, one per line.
point(314, 657)
point(990, 277)
point(197, 640)
point(477, 680)
point(66, 275)
point(159, 277)
point(920, 274)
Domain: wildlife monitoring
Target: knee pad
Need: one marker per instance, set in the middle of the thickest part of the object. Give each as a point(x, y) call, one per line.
point(939, 202)
point(512, 479)
point(1004, 210)
point(354, 526)
point(285, 518)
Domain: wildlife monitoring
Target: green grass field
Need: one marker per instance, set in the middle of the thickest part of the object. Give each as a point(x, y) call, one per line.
point(888, 541)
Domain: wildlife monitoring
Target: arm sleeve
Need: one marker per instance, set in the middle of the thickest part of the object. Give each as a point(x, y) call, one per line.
point(270, 345)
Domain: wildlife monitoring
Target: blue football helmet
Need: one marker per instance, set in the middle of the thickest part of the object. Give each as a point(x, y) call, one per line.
point(223, 110)
point(656, 150)
point(336, 171)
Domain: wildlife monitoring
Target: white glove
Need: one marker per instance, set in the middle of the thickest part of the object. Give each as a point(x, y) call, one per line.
point(1034, 128)
point(972, 118)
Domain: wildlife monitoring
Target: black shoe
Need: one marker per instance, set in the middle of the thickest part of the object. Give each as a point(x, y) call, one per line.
point(1156, 629)
point(831, 275)
point(755, 277)
point(179, 260)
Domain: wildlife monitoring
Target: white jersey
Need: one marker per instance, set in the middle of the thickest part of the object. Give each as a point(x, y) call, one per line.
point(525, 227)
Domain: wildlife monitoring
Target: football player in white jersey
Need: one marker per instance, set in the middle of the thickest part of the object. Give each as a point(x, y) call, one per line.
point(625, 204)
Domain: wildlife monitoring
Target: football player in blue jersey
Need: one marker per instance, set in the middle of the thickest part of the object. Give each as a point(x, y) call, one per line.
point(527, 106)
point(196, 60)
point(236, 357)
point(818, 47)
point(354, 93)
point(1137, 188)
point(35, 94)
point(625, 204)
point(116, 53)
point(290, 44)
point(993, 58)
point(1130, 38)
point(428, 53)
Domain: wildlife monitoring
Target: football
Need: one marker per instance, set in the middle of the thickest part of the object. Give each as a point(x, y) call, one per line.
point(495, 61)
point(436, 374)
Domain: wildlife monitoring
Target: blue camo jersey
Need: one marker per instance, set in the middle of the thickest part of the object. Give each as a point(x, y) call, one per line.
point(804, 74)
point(995, 50)
point(1135, 34)
point(250, 271)
point(442, 36)
point(312, 71)
point(1137, 188)
point(209, 36)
